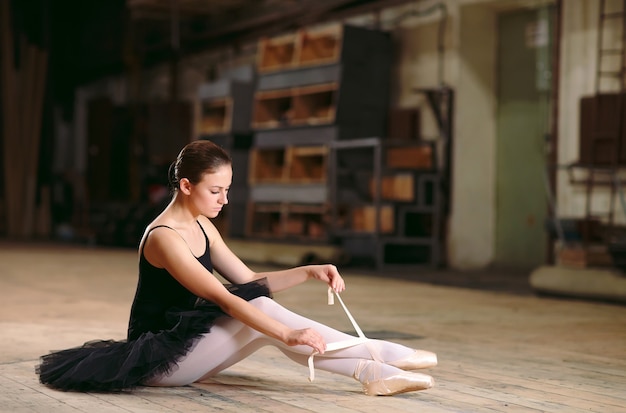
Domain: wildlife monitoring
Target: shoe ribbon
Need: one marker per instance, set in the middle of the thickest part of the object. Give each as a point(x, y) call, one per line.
point(339, 345)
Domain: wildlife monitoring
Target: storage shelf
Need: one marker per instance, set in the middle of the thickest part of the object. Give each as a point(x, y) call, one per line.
point(408, 205)
point(315, 87)
point(301, 192)
point(291, 164)
point(311, 105)
point(288, 221)
point(338, 75)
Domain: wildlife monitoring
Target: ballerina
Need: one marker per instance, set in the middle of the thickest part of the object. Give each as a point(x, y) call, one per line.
point(186, 325)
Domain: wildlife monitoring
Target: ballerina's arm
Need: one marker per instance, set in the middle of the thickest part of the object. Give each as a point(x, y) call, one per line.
point(233, 269)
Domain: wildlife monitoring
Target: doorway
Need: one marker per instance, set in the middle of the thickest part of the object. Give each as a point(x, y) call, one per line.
point(522, 121)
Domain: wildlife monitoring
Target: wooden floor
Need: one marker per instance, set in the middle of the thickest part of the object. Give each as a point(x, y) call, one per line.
point(498, 352)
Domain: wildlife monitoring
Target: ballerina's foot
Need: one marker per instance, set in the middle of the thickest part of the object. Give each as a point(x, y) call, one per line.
point(379, 379)
point(419, 359)
point(398, 383)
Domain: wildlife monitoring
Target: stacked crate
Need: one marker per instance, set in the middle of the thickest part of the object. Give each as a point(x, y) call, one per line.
point(315, 86)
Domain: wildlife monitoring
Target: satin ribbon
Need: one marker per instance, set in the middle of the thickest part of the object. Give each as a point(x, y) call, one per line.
point(339, 345)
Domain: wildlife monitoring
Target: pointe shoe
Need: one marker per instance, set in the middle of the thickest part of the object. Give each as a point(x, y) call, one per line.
point(368, 372)
point(398, 383)
point(420, 359)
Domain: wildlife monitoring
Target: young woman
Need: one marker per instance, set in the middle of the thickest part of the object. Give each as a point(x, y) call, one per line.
point(185, 325)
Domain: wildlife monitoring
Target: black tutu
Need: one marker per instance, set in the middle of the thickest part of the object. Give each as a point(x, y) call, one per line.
point(108, 365)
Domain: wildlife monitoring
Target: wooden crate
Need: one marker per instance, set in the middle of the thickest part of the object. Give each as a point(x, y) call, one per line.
point(265, 220)
point(307, 163)
point(277, 53)
point(398, 187)
point(267, 165)
point(584, 257)
point(284, 220)
point(306, 221)
point(291, 164)
point(294, 225)
point(410, 157)
point(314, 105)
point(310, 105)
point(364, 219)
point(404, 124)
point(312, 46)
point(272, 108)
point(602, 139)
point(216, 116)
point(319, 46)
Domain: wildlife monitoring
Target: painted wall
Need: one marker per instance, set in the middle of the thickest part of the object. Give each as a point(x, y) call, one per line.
point(472, 225)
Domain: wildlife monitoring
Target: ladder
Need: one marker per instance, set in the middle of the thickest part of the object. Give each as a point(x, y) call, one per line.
point(610, 100)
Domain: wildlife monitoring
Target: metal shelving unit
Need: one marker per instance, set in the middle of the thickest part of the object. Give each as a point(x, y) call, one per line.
point(402, 232)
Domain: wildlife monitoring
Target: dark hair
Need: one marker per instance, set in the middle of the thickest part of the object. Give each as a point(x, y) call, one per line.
point(196, 159)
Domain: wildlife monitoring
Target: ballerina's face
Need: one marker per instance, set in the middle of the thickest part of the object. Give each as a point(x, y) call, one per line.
point(211, 193)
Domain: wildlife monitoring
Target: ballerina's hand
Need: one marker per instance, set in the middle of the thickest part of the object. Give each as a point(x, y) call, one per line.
point(308, 337)
point(329, 274)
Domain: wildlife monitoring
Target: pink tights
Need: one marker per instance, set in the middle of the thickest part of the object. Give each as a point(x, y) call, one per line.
point(230, 341)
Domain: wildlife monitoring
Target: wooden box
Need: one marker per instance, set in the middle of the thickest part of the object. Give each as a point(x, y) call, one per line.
point(314, 105)
point(264, 220)
point(292, 164)
point(404, 124)
point(313, 46)
point(364, 219)
point(306, 221)
point(581, 257)
point(319, 46)
point(602, 136)
point(307, 163)
point(272, 108)
point(267, 165)
point(410, 157)
point(277, 53)
point(310, 105)
point(215, 116)
point(399, 187)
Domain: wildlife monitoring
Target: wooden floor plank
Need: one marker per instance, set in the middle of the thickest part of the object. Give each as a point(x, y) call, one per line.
point(189, 399)
point(549, 393)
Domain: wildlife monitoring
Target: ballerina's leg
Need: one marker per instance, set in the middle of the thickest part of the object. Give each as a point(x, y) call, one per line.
point(230, 341)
